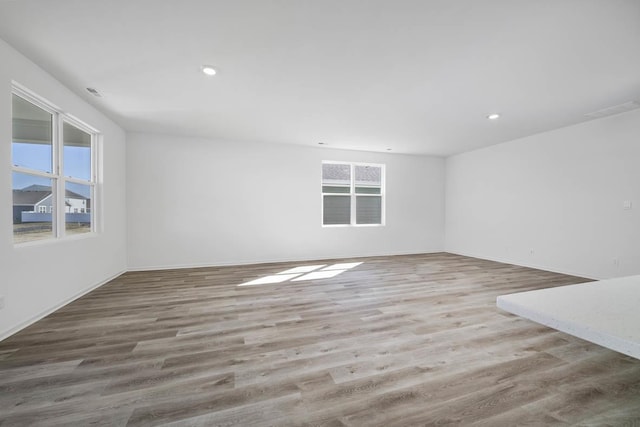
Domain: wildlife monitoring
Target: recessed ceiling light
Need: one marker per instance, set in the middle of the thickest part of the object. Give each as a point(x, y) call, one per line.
point(493, 116)
point(208, 70)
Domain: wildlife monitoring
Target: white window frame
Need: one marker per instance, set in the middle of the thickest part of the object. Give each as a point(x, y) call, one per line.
point(352, 193)
point(58, 180)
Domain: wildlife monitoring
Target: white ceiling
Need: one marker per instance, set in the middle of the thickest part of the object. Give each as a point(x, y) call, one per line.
point(414, 76)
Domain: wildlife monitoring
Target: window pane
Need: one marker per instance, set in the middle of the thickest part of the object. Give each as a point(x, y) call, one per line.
point(32, 208)
point(335, 189)
point(336, 210)
point(369, 176)
point(368, 210)
point(368, 190)
point(336, 174)
point(77, 152)
point(77, 208)
point(32, 136)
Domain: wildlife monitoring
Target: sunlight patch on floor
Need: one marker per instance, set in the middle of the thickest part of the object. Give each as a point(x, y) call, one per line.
point(302, 269)
point(319, 275)
point(305, 272)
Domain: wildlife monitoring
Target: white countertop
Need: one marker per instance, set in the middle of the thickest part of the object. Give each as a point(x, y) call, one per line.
point(606, 312)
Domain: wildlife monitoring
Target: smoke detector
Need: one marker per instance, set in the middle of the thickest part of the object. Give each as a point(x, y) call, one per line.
point(94, 92)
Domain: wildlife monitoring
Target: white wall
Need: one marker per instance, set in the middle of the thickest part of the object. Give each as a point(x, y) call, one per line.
point(559, 194)
point(198, 202)
point(36, 279)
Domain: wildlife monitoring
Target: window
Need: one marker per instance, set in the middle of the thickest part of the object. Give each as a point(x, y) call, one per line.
point(352, 194)
point(53, 173)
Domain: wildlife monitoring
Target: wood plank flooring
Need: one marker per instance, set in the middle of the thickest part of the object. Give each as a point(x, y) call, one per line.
point(396, 341)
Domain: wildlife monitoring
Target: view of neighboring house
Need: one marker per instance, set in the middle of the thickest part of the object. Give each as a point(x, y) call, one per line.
point(35, 204)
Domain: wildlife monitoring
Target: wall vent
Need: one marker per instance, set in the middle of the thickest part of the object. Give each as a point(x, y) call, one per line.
point(94, 92)
point(616, 109)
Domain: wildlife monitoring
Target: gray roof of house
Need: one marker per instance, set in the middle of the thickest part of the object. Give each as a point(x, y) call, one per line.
point(340, 172)
point(334, 171)
point(33, 194)
point(368, 174)
point(28, 198)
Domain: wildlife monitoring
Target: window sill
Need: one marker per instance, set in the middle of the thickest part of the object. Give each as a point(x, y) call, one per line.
point(54, 240)
point(351, 225)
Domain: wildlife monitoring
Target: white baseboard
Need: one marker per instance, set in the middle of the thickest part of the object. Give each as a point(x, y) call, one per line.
point(528, 265)
point(13, 330)
point(271, 261)
point(34, 319)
